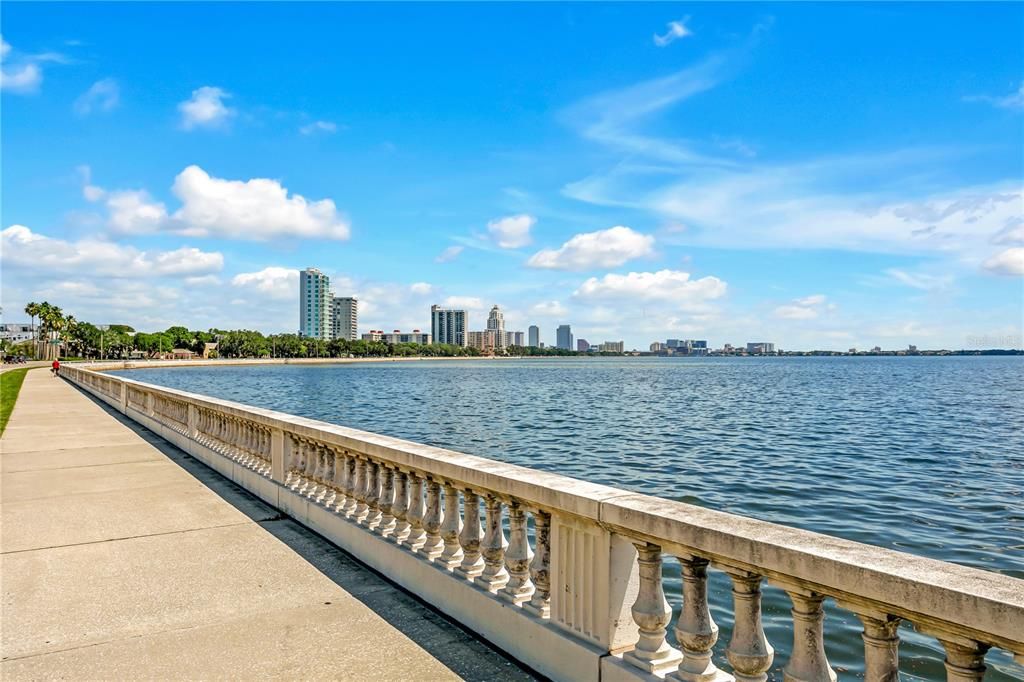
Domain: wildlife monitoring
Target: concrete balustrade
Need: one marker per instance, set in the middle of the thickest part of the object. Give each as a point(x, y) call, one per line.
point(581, 596)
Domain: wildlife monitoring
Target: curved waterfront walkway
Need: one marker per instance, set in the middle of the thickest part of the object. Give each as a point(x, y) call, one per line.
point(124, 558)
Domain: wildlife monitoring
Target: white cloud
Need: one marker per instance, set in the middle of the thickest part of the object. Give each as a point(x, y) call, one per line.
point(1015, 100)
point(256, 209)
point(671, 286)
point(512, 232)
point(1013, 233)
point(205, 109)
point(204, 281)
point(132, 211)
point(463, 302)
point(449, 254)
point(273, 282)
point(549, 309)
point(90, 191)
point(1008, 262)
point(421, 288)
point(602, 249)
point(806, 308)
point(26, 249)
point(103, 95)
point(319, 127)
point(21, 73)
point(676, 30)
point(815, 299)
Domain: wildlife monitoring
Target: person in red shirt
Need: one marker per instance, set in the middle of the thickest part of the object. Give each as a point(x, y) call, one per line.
point(55, 368)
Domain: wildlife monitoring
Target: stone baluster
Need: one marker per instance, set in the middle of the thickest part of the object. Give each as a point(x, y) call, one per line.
point(748, 652)
point(417, 536)
point(881, 644)
point(373, 514)
point(340, 471)
point(652, 614)
point(469, 539)
point(808, 662)
point(348, 508)
point(494, 576)
point(965, 658)
point(295, 463)
point(360, 511)
point(452, 555)
point(540, 567)
point(519, 587)
point(400, 508)
point(696, 630)
point(328, 476)
point(433, 545)
point(387, 501)
point(309, 473)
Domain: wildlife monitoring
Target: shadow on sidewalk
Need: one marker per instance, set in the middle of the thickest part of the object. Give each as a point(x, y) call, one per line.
point(459, 649)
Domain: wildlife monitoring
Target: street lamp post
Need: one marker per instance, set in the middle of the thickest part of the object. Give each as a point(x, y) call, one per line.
point(103, 329)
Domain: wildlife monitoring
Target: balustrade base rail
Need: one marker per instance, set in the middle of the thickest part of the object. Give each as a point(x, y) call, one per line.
point(584, 600)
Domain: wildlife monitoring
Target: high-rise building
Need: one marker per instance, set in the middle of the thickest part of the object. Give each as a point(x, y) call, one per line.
point(496, 325)
point(514, 339)
point(582, 345)
point(344, 318)
point(534, 336)
point(315, 309)
point(448, 326)
point(613, 347)
point(563, 337)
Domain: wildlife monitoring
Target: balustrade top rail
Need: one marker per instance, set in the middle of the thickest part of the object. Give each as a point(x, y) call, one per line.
point(963, 603)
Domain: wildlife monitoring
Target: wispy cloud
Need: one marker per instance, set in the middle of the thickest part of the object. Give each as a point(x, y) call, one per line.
point(676, 30)
point(103, 95)
point(449, 254)
point(319, 127)
point(1014, 100)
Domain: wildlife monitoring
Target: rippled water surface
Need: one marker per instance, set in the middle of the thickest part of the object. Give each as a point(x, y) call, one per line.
point(925, 455)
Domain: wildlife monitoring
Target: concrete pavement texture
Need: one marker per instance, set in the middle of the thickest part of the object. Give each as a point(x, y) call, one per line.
point(124, 558)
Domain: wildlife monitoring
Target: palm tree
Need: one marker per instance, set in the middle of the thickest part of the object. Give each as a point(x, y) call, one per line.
point(32, 309)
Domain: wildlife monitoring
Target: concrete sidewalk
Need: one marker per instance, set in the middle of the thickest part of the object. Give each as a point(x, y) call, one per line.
point(124, 558)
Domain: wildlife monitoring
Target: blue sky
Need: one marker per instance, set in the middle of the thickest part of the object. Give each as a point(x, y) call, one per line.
point(820, 176)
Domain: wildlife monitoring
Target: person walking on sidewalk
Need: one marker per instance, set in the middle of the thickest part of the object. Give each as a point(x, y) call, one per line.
point(55, 367)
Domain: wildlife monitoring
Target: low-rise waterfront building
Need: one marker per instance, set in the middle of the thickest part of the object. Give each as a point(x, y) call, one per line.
point(449, 326)
point(760, 347)
point(397, 336)
point(582, 345)
point(17, 332)
point(613, 347)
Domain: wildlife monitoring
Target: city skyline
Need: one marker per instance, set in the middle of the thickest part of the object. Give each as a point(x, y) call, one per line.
point(632, 195)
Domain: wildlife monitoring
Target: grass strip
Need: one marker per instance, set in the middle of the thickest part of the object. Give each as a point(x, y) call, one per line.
point(10, 385)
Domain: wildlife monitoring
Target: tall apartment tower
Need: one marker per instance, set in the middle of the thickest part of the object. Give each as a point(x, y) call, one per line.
point(345, 318)
point(563, 337)
point(315, 308)
point(496, 325)
point(534, 332)
point(448, 326)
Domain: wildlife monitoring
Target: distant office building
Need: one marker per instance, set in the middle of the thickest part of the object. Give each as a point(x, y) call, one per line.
point(344, 318)
point(397, 336)
point(515, 339)
point(674, 343)
point(448, 326)
point(563, 337)
point(496, 325)
point(17, 332)
point(657, 347)
point(315, 308)
point(613, 346)
point(760, 347)
point(534, 331)
point(582, 345)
